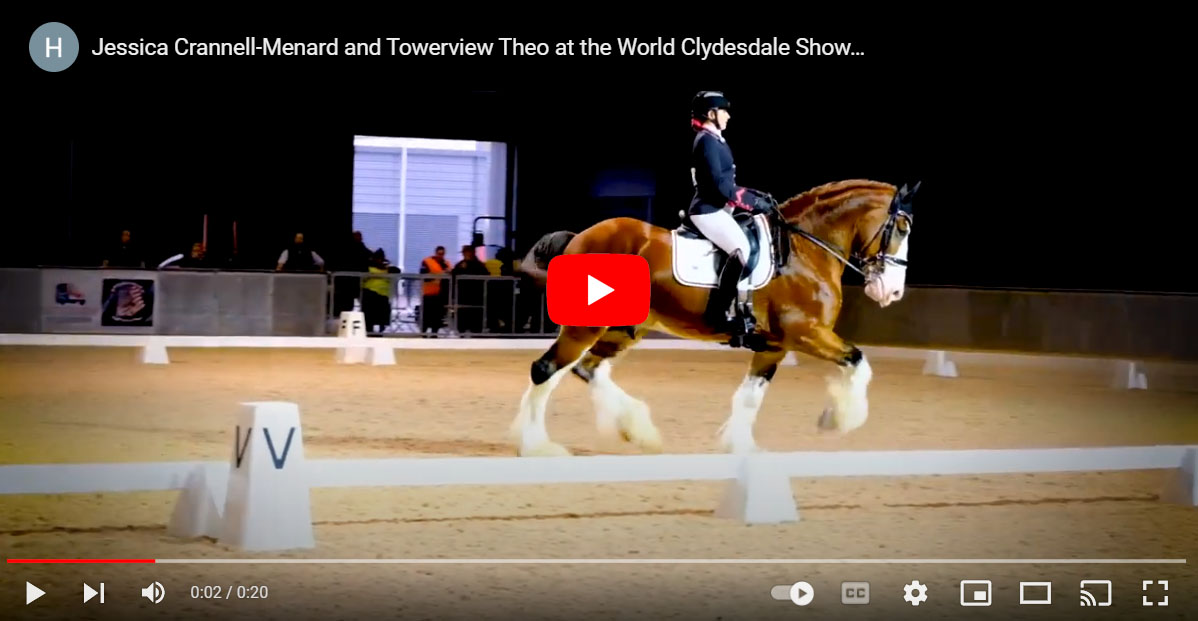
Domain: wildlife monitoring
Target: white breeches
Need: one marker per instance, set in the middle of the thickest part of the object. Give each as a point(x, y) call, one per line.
point(723, 231)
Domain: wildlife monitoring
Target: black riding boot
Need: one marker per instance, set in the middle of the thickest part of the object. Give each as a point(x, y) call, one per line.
point(725, 296)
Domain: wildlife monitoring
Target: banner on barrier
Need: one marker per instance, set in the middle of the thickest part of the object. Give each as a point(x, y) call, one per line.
point(119, 301)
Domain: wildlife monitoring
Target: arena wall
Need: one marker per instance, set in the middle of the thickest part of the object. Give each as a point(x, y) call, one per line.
point(1096, 324)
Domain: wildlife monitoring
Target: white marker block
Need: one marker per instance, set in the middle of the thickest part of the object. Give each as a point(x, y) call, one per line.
point(791, 359)
point(381, 355)
point(1181, 485)
point(353, 330)
point(268, 505)
point(1129, 376)
point(759, 495)
point(198, 512)
point(938, 364)
point(154, 352)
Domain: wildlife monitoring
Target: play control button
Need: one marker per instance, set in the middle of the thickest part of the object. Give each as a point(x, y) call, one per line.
point(596, 290)
point(801, 593)
point(32, 593)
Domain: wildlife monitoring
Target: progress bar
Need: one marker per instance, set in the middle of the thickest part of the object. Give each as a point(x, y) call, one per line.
point(610, 561)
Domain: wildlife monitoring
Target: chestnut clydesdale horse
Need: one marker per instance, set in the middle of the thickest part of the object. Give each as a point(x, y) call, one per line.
point(817, 234)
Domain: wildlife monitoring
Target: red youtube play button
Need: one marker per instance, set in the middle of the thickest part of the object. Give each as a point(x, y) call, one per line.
point(598, 289)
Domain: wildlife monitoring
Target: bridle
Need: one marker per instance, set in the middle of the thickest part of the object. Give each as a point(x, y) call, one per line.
point(876, 264)
point(871, 266)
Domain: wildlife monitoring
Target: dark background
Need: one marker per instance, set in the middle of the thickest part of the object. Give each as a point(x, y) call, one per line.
point(1045, 146)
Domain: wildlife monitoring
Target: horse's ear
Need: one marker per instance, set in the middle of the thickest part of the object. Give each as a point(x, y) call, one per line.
point(902, 198)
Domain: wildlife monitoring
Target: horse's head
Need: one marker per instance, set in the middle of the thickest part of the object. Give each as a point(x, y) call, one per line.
point(882, 245)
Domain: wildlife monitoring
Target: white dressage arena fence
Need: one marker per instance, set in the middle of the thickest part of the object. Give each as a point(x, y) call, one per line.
point(259, 500)
point(354, 347)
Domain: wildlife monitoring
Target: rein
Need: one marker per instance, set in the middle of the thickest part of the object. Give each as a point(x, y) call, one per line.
point(886, 230)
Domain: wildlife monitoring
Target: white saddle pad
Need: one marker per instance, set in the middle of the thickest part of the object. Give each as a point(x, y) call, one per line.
point(694, 259)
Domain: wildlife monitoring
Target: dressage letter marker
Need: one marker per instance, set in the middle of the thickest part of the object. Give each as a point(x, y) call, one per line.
point(267, 505)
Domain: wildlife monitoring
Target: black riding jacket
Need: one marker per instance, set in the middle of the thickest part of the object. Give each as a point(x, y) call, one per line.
point(714, 175)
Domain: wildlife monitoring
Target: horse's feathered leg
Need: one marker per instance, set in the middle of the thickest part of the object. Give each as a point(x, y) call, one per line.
point(529, 424)
point(736, 434)
point(615, 410)
point(850, 402)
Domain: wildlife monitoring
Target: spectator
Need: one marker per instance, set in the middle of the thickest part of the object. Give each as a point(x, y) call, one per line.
point(299, 258)
point(500, 294)
point(198, 259)
point(353, 257)
point(436, 292)
point(376, 293)
point(359, 257)
point(470, 291)
point(126, 254)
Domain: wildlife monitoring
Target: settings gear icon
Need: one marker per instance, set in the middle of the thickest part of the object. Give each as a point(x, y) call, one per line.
point(914, 587)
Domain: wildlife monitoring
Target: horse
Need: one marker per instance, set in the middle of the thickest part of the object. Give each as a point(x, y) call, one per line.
point(800, 253)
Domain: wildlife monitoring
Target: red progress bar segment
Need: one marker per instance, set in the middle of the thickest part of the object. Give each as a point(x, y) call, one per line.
point(81, 560)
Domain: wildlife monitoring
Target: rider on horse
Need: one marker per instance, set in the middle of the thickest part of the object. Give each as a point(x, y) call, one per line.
point(716, 196)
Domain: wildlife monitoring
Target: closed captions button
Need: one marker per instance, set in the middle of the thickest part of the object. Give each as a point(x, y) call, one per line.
point(854, 592)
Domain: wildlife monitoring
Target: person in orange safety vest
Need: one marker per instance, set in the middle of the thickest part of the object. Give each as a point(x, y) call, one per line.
point(436, 291)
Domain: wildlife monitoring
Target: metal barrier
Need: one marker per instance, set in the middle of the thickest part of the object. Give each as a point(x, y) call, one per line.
point(464, 305)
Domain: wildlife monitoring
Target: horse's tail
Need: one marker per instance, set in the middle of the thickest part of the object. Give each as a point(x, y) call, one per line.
point(536, 262)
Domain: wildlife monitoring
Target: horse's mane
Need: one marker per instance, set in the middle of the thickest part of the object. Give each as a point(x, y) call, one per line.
point(828, 195)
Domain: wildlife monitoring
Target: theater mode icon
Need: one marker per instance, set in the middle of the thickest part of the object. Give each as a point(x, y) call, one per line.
point(1035, 593)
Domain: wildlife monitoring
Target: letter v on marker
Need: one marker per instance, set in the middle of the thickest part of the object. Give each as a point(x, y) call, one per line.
point(238, 446)
point(279, 461)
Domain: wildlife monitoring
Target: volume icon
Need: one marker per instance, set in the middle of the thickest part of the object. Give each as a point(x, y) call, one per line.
point(154, 592)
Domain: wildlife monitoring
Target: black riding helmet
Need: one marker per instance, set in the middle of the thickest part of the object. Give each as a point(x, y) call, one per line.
point(706, 101)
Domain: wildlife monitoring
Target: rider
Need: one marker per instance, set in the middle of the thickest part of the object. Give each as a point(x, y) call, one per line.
point(716, 196)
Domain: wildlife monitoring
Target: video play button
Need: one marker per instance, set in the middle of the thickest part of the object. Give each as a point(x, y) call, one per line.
point(32, 593)
point(801, 593)
point(596, 290)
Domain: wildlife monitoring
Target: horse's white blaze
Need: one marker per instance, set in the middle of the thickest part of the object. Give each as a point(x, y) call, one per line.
point(618, 412)
point(888, 287)
point(849, 396)
point(529, 425)
point(736, 434)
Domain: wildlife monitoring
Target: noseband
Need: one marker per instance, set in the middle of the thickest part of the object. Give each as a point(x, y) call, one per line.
point(876, 264)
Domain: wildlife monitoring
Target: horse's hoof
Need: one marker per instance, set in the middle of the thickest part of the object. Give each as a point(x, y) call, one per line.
point(545, 449)
point(650, 442)
point(742, 449)
point(827, 421)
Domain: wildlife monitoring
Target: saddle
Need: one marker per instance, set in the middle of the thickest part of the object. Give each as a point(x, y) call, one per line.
point(697, 261)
